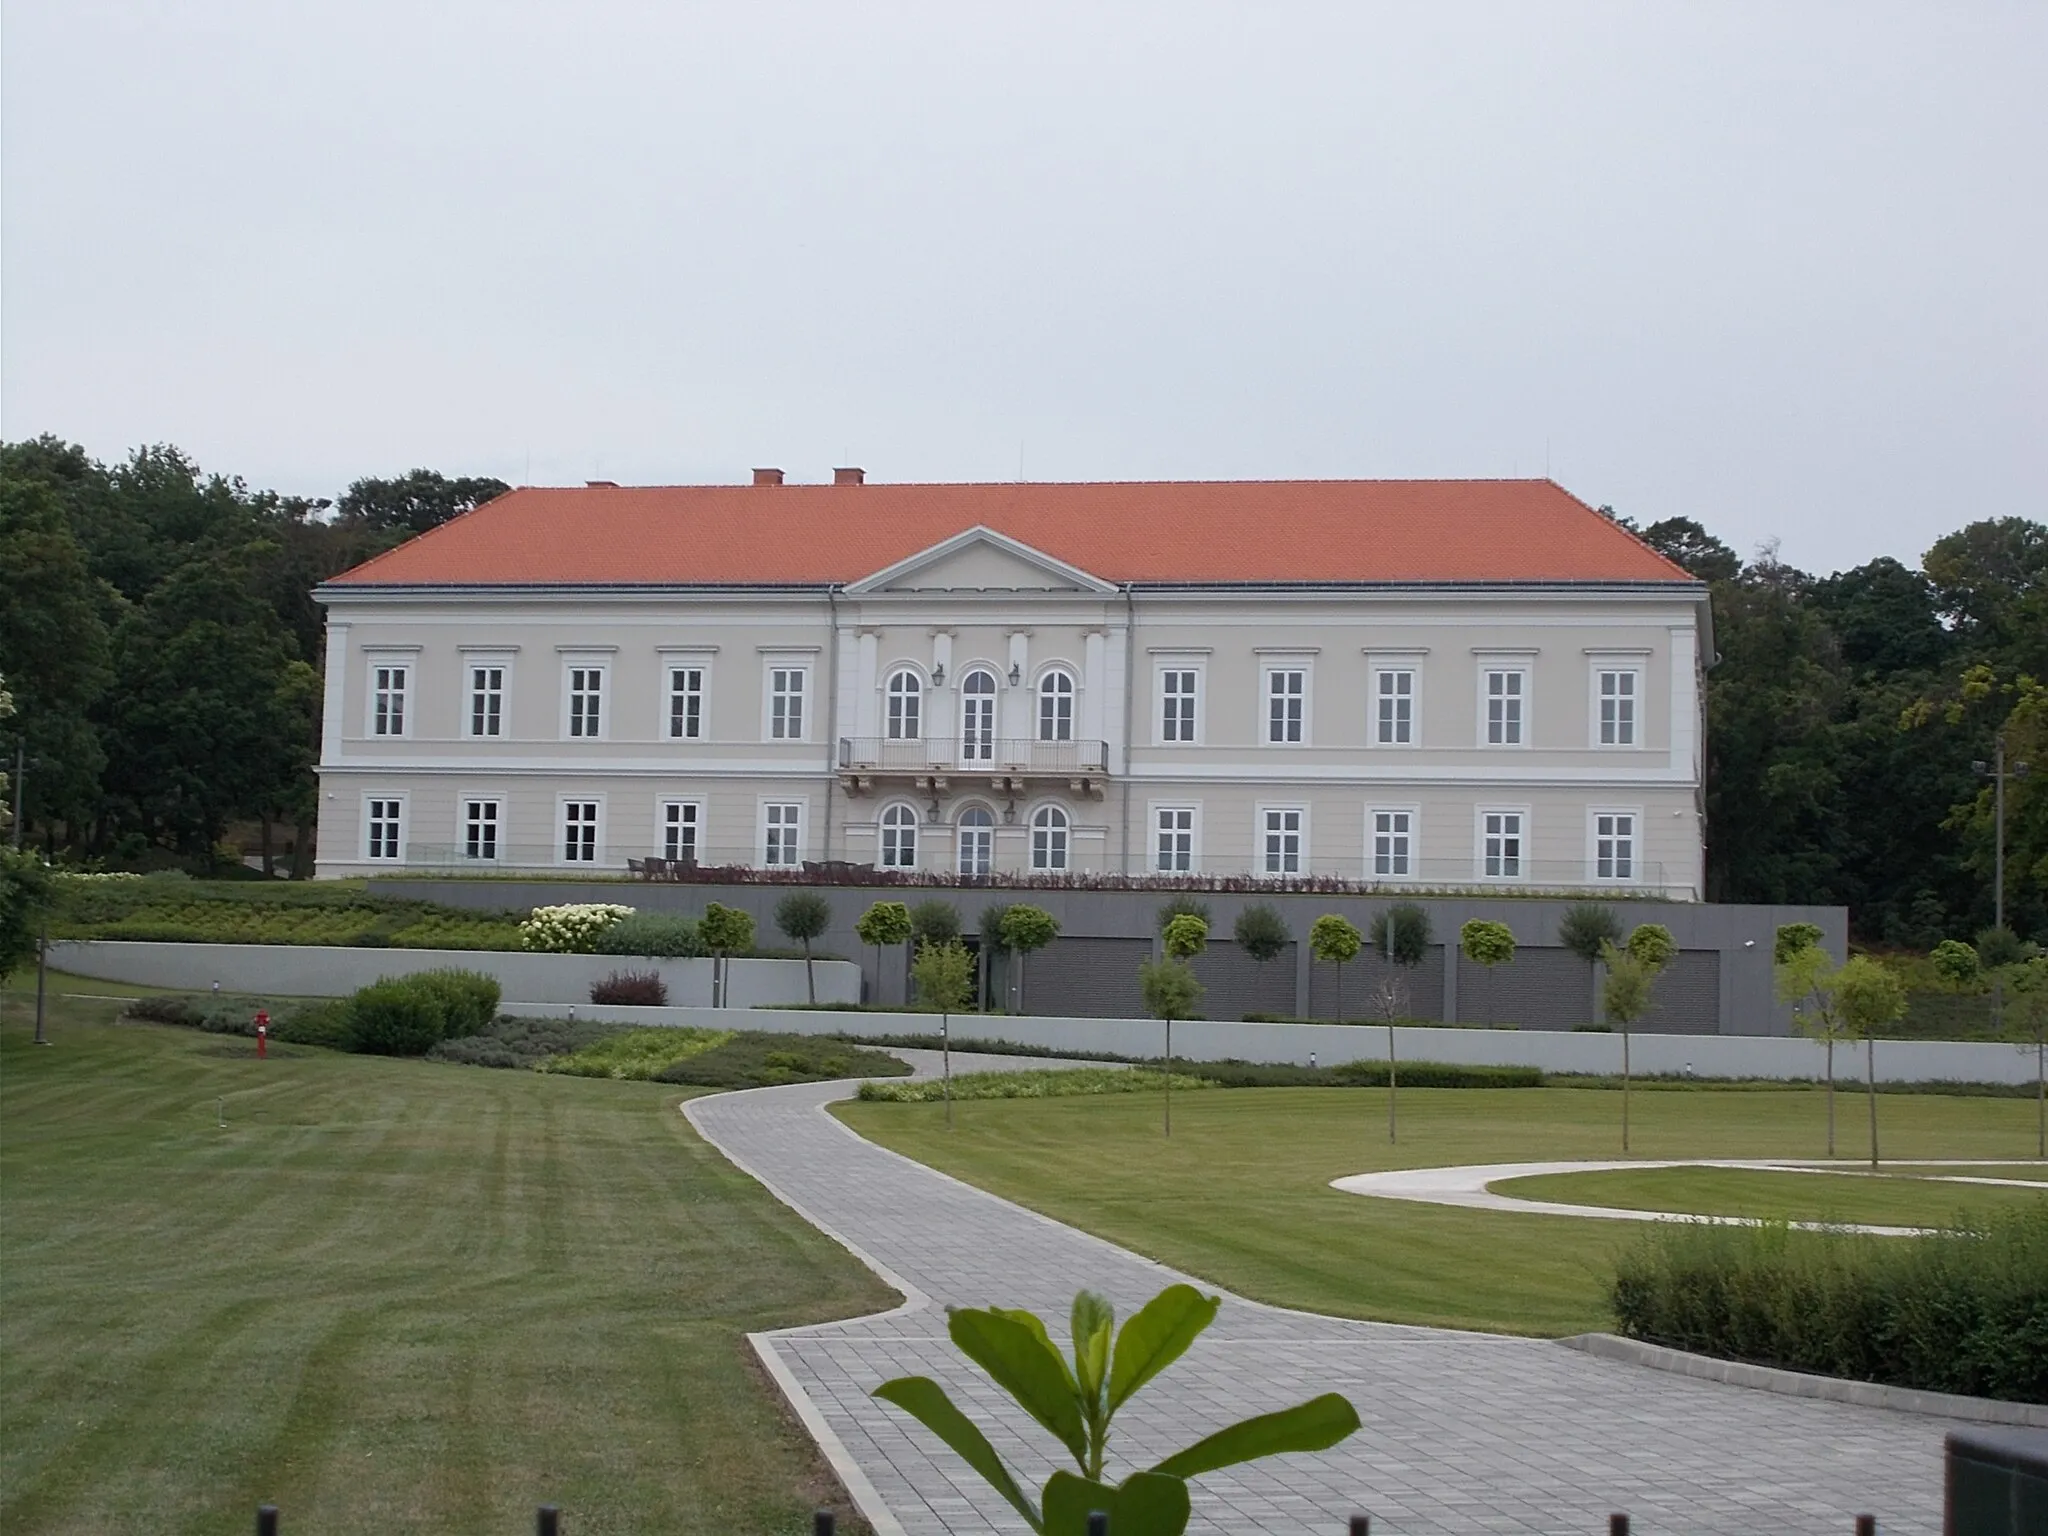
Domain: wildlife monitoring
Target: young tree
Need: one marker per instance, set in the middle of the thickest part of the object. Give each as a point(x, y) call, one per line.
point(1586, 929)
point(1489, 944)
point(1400, 936)
point(803, 916)
point(1805, 977)
point(934, 922)
point(1335, 940)
point(24, 894)
point(1632, 974)
point(2027, 982)
point(993, 947)
point(1182, 905)
point(1171, 992)
point(725, 931)
point(943, 971)
point(1869, 997)
point(1261, 933)
point(1027, 929)
point(883, 925)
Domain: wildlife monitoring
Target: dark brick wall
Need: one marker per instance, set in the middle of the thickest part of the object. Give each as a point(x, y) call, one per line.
point(1235, 984)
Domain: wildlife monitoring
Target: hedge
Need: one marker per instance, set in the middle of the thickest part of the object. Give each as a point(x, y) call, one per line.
point(1965, 1310)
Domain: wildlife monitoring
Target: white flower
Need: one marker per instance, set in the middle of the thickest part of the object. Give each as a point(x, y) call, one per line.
point(570, 929)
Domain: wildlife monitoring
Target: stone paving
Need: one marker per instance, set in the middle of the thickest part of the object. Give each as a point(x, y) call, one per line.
point(1463, 1432)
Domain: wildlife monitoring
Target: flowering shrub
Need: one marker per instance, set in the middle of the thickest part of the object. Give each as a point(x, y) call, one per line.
point(570, 929)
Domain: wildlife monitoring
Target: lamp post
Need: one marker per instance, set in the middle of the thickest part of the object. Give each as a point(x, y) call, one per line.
point(1998, 772)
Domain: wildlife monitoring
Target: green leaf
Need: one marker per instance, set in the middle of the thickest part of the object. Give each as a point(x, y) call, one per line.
point(1032, 1321)
point(1315, 1425)
point(1148, 1504)
point(1157, 1336)
point(1024, 1364)
point(1094, 1321)
point(926, 1401)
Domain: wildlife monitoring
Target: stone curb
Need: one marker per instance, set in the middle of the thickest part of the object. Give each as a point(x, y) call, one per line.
point(1834, 1389)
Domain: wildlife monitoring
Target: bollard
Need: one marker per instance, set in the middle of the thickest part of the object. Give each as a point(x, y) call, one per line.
point(547, 1520)
point(1866, 1525)
point(1098, 1523)
point(823, 1523)
point(266, 1520)
point(1617, 1525)
point(1361, 1525)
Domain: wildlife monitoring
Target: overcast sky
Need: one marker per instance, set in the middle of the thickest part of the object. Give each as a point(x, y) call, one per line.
point(1778, 267)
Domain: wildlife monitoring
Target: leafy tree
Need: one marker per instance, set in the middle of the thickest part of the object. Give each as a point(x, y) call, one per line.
point(804, 916)
point(724, 932)
point(884, 925)
point(1586, 929)
point(934, 922)
point(1956, 964)
point(1868, 997)
point(1684, 542)
point(1400, 934)
point(1335, 940)
point(415, 502)
point(24, 896)
point(1182, 905)
point(944, 973)
point(1489, 944)
point(1627, 996)
point(1076, 1400)
point(1261, 932)
point(1185, 936)
point(2027, 982)
point(1171, 992)
point(1806, 977)
point(1026, 930)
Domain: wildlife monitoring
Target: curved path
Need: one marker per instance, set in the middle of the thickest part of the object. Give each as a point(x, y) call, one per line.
point(1470, 1186)
point(1463, 1432)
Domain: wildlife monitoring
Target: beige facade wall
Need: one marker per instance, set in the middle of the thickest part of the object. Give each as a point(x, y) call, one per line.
point(1114, 660)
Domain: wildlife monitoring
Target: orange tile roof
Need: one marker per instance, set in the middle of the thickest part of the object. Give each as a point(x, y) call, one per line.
point(1338, 531)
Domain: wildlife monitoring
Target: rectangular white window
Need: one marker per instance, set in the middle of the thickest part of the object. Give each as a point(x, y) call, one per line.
point(384, 826)
point(1614, 845)
point(586, 702)
point(680, 821)
point(486, 700)
point(1617, 691)
point(388, 684)
point(786, 703)
point(579, 831)
point(1394, 708)
point(1393, 844)
point(1177, 704)
point(1501, 844)
point(1175, 826)
point(1282, 836)
point(1506, 690)
point(782, 836)
point(480, 829)
point(686, 703)
point(1286, 698)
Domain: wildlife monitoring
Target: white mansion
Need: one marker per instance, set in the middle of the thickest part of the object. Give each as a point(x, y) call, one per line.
point(1469, 683)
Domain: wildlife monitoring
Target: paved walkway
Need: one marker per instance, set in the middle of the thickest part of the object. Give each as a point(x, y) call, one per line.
point(1463, 1432)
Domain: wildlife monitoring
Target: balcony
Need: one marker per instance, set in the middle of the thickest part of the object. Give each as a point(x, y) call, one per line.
point(1004, 764)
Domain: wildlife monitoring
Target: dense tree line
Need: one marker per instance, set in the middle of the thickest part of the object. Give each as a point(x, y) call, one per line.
point(162, 646)
point(158, 634)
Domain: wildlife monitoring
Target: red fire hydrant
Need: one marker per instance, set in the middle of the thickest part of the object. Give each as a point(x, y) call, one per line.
point(262, 1032)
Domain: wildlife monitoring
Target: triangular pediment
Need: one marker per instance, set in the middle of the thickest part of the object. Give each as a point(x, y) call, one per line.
point(980, 559)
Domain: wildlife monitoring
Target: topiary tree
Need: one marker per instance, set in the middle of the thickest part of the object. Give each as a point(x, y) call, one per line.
point(1261, 932)
point(993, 945)
point(884, 925)
point(1956, 964)
point(943, 971)
point(1632, 974)
point(1489, 944)
point(1586, 928)
point(803, 916)
point(1652, 944)
point(724, 931)
point(1171, 991)
point(1805, 977)
point(934, 922)
point(1335, 940)
point(1026, 930)
point(1182, 905)
point(1869, 997)
point(1400, 935)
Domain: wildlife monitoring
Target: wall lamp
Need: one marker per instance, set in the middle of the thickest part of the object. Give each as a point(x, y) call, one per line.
point(1016, 674)
point(938, 674)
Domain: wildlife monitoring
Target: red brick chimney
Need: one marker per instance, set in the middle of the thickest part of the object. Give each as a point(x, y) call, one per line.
point(767, 477)
point(849, 476)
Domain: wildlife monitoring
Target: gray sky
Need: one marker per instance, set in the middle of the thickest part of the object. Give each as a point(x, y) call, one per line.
point(1778, 267)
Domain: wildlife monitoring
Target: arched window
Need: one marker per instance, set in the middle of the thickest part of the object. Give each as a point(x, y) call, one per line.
point(1056, 707)
point(977, 833)
point(978, 717)
point(906, 696)
point(1049, 838)
point(899, 837)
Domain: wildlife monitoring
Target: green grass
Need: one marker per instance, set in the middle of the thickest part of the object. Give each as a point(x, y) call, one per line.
point(389, 1295)
point(1240, 1196)
point(637, 1054)
point(1879, 1200)
point(1061, 1083)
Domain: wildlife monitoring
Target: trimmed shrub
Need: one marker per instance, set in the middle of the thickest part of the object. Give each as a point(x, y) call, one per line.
point(469, 999)
point(656, 935)
point(634, 989)
point(756, 1059)
point(523, 1043)
point(398, 1017)
point(1965, 1310)
point(328, 1024)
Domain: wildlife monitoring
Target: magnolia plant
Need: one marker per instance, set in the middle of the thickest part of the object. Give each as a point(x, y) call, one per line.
point(1076, 1399)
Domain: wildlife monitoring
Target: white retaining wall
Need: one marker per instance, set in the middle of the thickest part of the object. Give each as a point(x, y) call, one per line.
point(1757, 1056)
point(320, 970)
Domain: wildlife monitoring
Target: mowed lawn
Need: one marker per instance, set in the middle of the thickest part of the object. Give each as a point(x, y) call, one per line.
point(387, 1296)
point(1881, 1199)
point(1240, 1194)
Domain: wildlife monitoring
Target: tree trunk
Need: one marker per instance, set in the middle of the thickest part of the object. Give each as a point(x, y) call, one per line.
point(1831, 1095)
point(2040, 1097)
point(1393, 1082)
point(946, 1062)
point(1870, 1078)
point(810, 975)
point(1169, 1076)
point(269, 864)
point(1624, 1087)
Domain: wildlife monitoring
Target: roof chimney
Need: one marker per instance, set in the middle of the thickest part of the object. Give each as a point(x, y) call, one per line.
point(849, 476)
point(767, 477)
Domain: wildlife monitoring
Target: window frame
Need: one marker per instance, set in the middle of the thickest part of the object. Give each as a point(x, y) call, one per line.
point(886, 830)
point(962, 827)
point(1197, 697)
point(1603, 668)
point(474, 662)
point(1413, 812)
point(1635, 844)
point(1285, 666)
point(804, 670)
point(1489, 667)
point(695, 822)
point(960, 742)
point(1413, 673)
point(596, 840)
point(401, 817)
point(406, 667)
point(1065, 832)
point(466, 824)
point(671, 663)
point(1043, 693)
point(1192, 810)
point(914, 700)
point(602, 666)
point(1261, 831)
point(1521, 836)
point(762, 823)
